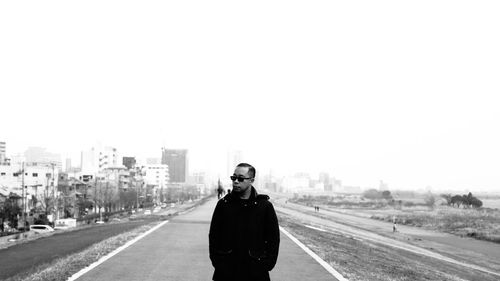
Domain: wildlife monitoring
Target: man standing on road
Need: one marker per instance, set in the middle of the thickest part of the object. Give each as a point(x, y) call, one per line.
point(244, 234)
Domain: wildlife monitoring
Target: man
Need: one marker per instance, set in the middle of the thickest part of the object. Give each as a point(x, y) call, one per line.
point(244, 234)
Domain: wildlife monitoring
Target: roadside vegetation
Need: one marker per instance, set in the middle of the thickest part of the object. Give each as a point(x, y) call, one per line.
point(456, 214)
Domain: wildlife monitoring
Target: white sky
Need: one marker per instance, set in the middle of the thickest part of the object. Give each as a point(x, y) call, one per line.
point(400, 91)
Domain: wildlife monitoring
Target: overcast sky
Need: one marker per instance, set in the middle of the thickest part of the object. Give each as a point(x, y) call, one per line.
point(401, 91)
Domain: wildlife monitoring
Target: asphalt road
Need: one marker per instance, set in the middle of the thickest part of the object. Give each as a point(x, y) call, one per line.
point(19, 258)
point(179, 251)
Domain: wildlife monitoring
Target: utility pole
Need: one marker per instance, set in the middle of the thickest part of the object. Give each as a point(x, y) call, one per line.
point(24, 199)
point(95, 194)
point(137, 196)
point(46, 197)
point(54, 197)
point(133, 180)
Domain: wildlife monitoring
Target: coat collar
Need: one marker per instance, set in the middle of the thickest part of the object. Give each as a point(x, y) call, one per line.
point(234, 196)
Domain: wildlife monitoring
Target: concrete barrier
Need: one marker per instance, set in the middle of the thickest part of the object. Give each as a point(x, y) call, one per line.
point(15, 237)
point(65, 223)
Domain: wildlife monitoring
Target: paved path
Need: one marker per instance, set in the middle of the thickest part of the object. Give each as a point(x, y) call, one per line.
point(179, 251)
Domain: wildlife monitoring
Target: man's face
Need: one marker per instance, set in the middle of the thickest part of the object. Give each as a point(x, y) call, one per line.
point(241, 187)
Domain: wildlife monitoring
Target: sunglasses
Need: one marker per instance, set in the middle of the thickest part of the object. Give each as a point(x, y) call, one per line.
point(240, 179)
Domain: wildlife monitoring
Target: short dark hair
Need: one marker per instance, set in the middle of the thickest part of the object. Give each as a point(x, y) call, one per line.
point(251, 169)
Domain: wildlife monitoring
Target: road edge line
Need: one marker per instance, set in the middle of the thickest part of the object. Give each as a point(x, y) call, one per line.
point(323, 263)
point(116, 251)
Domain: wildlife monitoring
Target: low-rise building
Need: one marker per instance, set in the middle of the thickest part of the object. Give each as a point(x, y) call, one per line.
point(39, 180)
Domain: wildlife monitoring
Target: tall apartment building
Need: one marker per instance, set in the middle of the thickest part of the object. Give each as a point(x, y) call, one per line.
point(99, 158)
point(177, 161)
point(234, 157)
point(68, 165)
point(3, 152)
point(156, 175)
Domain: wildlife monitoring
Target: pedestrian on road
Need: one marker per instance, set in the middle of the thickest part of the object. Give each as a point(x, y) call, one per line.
point(244, 233)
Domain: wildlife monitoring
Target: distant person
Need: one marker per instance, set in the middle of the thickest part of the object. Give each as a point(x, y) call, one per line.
point(220, 190)
point(228, 191)
point(244, 234)
point(394, 229)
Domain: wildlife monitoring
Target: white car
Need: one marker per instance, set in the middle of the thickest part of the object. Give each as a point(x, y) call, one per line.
point(41, 228)
point(147, 212)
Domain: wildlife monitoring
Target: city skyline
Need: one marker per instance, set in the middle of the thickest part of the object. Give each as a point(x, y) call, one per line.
point(313, 173)
point(406, 93)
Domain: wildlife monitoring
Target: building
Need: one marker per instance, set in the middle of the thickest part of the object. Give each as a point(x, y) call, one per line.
point(39, 181)
point(177, 161)
point(129, 162)
point(198, 178)
point(153, 161)
point(156, 178)
point(119, 177)
point(156, 175)
point(383, 186)
point(234, 157)
point(40, 155)
point(3, 152)
point(99, 158)
point(296, 183)
point(68, 165)
point(326, 180)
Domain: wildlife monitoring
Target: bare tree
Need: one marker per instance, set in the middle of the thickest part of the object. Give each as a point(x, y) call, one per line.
point(447, 197)
point(45, 202)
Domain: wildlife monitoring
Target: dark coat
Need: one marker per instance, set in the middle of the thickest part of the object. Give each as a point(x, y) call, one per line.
point(244, 238)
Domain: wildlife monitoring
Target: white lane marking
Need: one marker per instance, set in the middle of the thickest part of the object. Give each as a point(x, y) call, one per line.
point(186, 211)
point(108, 256)
point(312, 227)
point(323, 263)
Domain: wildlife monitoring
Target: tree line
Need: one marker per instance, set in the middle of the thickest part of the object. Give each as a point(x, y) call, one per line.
point(466, 201)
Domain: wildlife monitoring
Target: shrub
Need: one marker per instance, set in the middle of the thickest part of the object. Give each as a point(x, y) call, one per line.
point(408, 204)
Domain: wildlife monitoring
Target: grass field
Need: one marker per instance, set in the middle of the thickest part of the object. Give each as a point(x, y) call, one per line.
point(361, 260)
point(482, 223)
point(491, 203)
